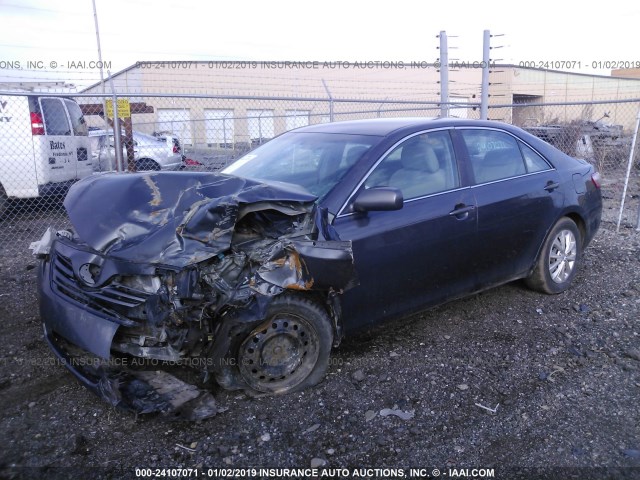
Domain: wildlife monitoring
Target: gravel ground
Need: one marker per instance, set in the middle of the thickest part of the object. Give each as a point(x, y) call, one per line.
point(508, 379)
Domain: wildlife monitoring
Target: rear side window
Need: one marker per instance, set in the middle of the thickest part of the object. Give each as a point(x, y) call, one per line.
point(494, 155)
point(55, 117)
point(533, 161)
point(77, 119)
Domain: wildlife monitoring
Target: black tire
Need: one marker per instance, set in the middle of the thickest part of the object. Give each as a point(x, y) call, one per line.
point(559, 259)
point(145, 164)
point(290, 350)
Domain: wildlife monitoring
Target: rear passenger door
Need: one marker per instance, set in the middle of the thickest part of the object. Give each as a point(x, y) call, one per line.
point(57, 153)
point(517, 196)
point(64, 149)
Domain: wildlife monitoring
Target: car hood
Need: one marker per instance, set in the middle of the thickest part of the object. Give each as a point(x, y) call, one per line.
point(172, 218)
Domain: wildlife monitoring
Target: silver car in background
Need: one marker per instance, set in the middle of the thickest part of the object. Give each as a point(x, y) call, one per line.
point(150, 152)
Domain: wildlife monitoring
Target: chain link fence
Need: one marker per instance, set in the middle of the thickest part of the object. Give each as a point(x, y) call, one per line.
point(213, 131)
point(599, 132)
point(46, 144)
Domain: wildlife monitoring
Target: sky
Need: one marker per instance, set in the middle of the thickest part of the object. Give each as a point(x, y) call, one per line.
point(55, 35)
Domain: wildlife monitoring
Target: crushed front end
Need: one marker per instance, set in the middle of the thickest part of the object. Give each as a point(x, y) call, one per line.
point(180, 270)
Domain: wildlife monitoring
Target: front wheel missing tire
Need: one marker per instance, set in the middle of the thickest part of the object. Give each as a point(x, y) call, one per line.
point(290, 350)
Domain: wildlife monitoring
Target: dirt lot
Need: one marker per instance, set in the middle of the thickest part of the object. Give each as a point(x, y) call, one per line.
point(561, 375)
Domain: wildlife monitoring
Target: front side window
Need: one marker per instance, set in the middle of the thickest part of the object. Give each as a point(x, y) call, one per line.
point(494, 155)
point(55, 117)
point(421, 165)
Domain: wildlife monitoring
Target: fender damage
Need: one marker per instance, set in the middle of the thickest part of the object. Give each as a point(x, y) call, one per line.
point(172, 267)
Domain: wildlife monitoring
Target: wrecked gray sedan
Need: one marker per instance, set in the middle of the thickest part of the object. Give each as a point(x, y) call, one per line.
point(198, 269)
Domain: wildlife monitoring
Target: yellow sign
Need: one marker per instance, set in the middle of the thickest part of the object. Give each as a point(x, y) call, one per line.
point(124, 109)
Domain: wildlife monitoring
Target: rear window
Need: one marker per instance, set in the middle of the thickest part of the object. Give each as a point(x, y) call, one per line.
point(55, 117)
point(77, 119)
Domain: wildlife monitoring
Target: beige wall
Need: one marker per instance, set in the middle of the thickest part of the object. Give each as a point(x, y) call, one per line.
point(626, 72)
point(343, 80)
point(508, 84)
point(382, 82)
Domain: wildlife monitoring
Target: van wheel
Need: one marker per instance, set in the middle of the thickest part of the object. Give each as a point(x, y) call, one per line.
point(4, 201)
point(146, 164)
point(290, 350)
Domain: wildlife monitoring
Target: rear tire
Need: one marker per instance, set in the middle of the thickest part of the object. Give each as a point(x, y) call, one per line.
point(559, 259)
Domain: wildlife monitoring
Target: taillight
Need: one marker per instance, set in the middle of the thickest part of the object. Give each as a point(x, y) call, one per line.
point(595, 178)
point(37, 125)
point(190, 162)
point(176, 149)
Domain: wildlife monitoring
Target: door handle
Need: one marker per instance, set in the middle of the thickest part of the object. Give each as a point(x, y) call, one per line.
point(462, 211)
point(551, 186)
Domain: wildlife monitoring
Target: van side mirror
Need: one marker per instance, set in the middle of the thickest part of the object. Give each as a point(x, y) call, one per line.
point(378, 199)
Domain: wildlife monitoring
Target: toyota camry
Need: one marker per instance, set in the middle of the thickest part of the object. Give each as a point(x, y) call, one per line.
point(253, 274)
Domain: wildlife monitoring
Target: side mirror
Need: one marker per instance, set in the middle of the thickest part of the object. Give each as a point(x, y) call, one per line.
point(378, 199)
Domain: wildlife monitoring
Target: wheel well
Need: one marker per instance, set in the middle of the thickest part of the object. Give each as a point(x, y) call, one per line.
point(145, 160)
point(330, 302)
point(578, 220)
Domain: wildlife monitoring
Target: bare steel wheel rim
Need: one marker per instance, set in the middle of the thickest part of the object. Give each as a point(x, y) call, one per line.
point(562, 257)
point(279, 354)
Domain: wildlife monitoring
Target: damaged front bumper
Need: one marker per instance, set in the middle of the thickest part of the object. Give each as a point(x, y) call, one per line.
point(80, 333)
point(184, 286)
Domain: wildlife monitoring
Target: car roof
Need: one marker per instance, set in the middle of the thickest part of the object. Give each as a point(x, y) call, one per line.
point(388, 126)
point(136, 134)
point(402, 126)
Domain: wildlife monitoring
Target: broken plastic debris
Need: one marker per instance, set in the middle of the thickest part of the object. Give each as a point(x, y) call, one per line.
point(157, 391)
point(43, 246)
point(385, 412)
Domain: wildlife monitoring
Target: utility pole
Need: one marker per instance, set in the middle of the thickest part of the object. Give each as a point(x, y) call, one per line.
point(95, 21)
point(444, 75)
point(484, 92)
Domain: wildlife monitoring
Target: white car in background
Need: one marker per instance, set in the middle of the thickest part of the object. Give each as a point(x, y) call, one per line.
point(162, 152)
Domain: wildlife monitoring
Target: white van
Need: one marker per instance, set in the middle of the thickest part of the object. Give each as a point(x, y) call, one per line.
point(44, 146)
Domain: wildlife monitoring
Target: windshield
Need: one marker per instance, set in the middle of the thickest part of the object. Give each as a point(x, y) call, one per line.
point(315, 161)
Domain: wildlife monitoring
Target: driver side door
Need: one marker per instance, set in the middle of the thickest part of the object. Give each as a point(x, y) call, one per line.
point(421, 254)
